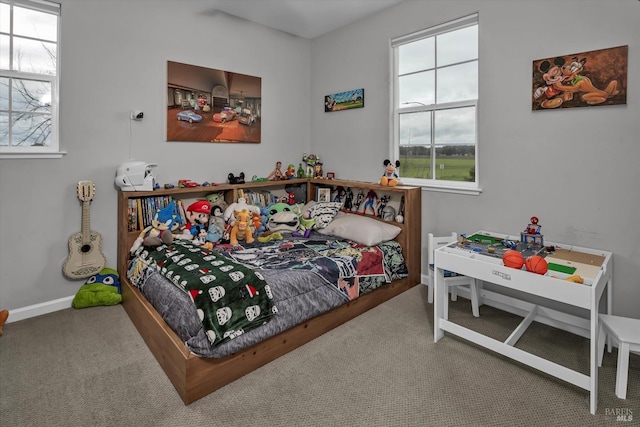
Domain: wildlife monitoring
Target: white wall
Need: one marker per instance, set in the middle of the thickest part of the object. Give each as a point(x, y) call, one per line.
point(576, 169)
point(114, 59)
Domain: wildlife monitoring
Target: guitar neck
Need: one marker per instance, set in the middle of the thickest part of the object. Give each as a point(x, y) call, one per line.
point(86, 222)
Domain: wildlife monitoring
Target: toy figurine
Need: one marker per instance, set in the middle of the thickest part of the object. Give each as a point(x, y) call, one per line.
point(371, 198)
point(348, 199)
point(276, 174)
point(311, 161)
point(291, 171)
point(300, 173)
point(383, 204)
point(358, 202)
point(236, 179)
point(531, 235)
point(318, 170)
point(390, 177)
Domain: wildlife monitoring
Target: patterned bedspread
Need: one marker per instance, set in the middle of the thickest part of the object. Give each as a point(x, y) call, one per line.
point(352, 268)
point(230, 298)
point(307, 277)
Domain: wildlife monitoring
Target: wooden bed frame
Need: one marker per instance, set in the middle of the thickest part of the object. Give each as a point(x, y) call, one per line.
point(194, 377)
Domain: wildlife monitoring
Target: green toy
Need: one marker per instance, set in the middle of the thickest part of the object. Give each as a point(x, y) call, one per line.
point(101, 289)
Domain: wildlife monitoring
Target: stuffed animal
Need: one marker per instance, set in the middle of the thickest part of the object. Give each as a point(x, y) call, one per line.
point(390, 177)
point(241, 204)
point(216, 230)
point(241, 228)
point(160, 230)
point(101, 289)
point(198, 214)
point(283, 217)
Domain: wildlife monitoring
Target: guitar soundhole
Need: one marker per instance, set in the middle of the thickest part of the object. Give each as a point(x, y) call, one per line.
point(85, 248)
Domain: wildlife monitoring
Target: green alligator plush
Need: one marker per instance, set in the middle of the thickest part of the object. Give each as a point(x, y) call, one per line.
point(101, 289)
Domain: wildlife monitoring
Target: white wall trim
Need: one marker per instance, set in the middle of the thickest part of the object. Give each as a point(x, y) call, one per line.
point(39, 309)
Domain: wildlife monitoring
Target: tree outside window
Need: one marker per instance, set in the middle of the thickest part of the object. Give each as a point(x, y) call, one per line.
point(28, 77)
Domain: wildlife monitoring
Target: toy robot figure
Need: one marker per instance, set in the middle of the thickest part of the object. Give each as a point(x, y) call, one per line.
point(371, 198)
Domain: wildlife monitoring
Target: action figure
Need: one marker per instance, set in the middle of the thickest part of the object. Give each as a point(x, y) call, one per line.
point(371, 198)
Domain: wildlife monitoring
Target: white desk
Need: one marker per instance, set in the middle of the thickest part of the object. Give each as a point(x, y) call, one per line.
point(490, 269)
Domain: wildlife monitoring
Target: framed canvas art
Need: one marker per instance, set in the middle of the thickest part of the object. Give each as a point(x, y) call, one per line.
point(210, 105)
point(586, 79)
point(344, 100)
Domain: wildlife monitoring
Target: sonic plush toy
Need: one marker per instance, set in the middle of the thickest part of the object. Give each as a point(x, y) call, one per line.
point(101, 289)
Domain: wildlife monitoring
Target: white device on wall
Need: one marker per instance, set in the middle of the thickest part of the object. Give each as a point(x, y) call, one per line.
point(135, 175)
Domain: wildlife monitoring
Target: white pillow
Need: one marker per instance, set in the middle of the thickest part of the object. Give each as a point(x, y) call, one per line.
point(322, 212)
point(366, 231)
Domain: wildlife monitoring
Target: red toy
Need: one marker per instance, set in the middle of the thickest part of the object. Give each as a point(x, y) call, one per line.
point(536, 264)
point(513, 259)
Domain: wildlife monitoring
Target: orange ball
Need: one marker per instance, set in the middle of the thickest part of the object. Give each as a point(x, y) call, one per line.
point(536, 264)
point(513, 259)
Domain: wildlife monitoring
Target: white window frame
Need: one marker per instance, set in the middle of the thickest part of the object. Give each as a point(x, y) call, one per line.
point(396, 110)
point(53, 150)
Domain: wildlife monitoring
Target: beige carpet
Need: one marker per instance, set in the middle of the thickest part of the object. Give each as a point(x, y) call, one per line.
point(90, 367)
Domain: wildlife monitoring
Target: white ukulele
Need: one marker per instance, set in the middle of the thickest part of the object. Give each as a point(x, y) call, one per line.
point(85, 254)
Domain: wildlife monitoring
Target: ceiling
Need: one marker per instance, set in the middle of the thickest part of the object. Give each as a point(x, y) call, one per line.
point(303, 18)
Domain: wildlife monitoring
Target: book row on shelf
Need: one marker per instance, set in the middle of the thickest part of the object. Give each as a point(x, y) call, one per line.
point(141, 210)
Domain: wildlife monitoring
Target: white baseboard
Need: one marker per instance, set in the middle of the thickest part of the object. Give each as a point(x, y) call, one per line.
point(39, 309)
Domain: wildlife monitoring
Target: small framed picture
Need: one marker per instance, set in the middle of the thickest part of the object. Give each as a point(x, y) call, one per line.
point(323, 194)
point(331, 175)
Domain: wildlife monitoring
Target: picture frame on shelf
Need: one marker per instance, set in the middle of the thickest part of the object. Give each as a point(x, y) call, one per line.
point(323, 194)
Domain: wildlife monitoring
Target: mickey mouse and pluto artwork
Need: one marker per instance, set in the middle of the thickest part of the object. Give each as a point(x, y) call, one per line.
point(598, 77)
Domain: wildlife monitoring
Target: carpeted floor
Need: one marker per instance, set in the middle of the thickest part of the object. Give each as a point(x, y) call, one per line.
point(91, 367)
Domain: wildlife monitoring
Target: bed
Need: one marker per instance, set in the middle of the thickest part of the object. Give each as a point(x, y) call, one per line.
point(184, 351)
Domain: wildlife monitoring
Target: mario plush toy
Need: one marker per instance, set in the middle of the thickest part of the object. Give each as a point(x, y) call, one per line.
point(198, 214)
point(390, 177)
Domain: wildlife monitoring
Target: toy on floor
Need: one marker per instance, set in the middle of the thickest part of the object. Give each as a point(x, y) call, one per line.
point(4, 315)
point(101, 289)
point(390, 177)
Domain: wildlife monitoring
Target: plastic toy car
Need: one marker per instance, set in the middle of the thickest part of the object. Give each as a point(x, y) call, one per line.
point(187, 183)
point(246, 117)
point(224, 116)
point(189, 116)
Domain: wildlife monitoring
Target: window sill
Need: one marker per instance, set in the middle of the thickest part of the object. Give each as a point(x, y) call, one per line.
point(454, 190)
point(52, 155)
point(469, 189)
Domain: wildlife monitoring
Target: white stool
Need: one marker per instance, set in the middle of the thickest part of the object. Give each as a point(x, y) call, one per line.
point(626, 332)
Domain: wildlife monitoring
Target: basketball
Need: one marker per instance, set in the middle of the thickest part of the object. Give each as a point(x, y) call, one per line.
point(536, 264)
point(513, 259)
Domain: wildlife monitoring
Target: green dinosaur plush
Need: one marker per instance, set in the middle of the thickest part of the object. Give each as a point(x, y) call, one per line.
point(101, 289)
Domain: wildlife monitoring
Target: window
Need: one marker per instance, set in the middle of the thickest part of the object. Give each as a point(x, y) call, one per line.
point(435, 106)
point(29, 46)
